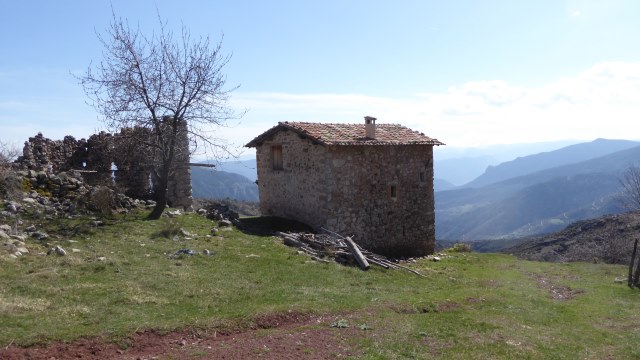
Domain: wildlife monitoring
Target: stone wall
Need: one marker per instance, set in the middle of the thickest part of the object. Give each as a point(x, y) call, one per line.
point(381, 194)
point(98, 154)
point(298, 191)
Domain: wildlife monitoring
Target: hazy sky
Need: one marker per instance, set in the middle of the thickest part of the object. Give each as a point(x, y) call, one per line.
point(469, 73)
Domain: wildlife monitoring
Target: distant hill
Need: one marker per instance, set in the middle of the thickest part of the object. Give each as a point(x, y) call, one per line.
point(536, 203)
point(546, 160)
point(608, 239)
point(458, 171)
point(213, 184)
point(462, 165)
point(246, 168)
point(441, 185)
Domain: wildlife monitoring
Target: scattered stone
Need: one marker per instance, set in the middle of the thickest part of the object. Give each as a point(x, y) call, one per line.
point(18, 237)
point(39, 235)
point(176, 238)
point(58, 250)
point(184, 232)
point(619, 280)
point(224, 223)
point(97, 223)
point(12, 207)
point(214, 231)
point(206, 252)
point(29, 200)
point(436, 258)
point(30, 228)
point(3, 235)
point(253, 256)
point(75, 250)
point(22, 249)
point(6, 228)
point(183, 252)
point(102, 258)
point(202, 212)
point(173, 213)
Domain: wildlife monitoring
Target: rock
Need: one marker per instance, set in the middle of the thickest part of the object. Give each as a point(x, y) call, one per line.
point(12, 207)
point(102, 258)
point(214, 230)
point(202, 212)
point(3, 235)
point(30, 228)
point(436, 258)
point(173, 213)
point(22, 249)
point(206, 252)
point(58, 250)
point(10, 247)
point(29, 200)
point(39, 235)
point(6, 228)
point(184, 232)
point(224, 223)
point(76, 250)
point(18, 237)
point(97, 223)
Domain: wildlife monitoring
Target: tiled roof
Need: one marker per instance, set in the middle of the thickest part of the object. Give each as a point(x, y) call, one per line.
point(349, 134)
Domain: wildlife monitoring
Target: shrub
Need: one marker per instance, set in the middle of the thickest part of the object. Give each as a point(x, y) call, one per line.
point(102, 199)
point(460, 247)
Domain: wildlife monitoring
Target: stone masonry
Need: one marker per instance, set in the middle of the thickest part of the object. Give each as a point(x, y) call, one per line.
point(98, 155)
point(332, 175)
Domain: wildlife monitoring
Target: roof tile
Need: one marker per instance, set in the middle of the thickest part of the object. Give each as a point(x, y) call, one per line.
point(350, 134)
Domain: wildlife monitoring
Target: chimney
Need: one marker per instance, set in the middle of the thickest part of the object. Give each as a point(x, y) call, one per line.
point(370, 126)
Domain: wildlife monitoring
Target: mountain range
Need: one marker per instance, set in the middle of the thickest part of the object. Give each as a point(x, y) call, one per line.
point(527, 199)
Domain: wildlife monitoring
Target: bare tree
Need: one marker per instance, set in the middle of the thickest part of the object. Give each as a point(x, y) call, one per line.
point(630, 183)
point(169, 85)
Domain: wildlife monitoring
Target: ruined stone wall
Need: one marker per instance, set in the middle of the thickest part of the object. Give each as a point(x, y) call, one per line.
point(101, 151)
point(348, 189)
point(298, 191)
point(179, 187)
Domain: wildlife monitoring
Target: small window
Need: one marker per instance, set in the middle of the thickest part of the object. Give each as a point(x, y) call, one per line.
point(276, 157)
point(423, 177)
point(393, 191)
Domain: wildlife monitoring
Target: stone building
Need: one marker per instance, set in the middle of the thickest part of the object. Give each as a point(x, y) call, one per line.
point(371, 181)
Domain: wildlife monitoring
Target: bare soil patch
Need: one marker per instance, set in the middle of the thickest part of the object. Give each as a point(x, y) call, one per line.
point(556, 291)
point(276, 336)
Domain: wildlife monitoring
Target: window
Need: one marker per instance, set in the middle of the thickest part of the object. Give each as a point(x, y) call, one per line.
point(423, 177)
point(393, 191)
point(276, 157)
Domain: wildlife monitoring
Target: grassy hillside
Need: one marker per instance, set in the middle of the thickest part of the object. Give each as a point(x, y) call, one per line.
point(121, 279)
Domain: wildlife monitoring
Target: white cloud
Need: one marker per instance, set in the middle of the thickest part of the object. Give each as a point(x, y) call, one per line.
point(599, 102)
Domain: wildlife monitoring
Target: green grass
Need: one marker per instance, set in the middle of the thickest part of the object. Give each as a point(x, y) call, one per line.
point(469, 306)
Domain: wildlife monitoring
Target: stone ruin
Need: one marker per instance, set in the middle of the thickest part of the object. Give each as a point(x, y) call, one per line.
point(112, 160)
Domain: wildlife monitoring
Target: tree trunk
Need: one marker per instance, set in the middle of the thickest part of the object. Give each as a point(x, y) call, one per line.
point(161, 194)
point(633, 260)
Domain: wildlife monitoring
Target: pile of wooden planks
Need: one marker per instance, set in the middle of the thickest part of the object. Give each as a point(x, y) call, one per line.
point(334, 247)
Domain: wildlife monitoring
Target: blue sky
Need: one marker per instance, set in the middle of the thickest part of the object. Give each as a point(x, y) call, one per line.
point(470, 73)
